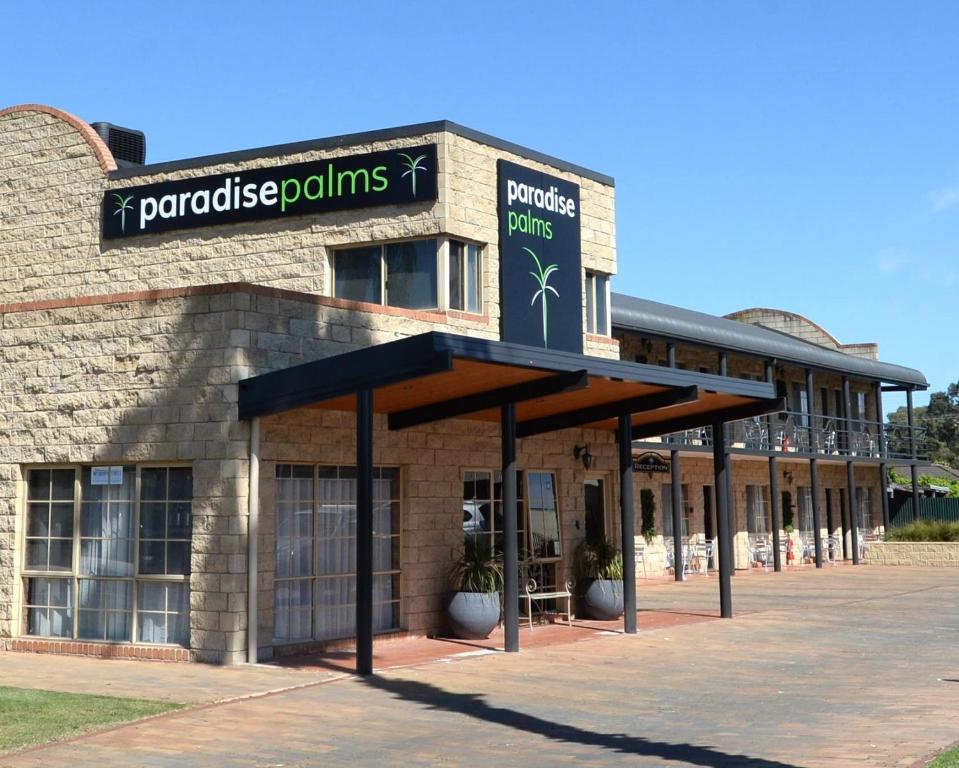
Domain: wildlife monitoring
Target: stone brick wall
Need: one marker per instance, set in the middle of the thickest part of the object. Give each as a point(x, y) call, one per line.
point(50, 244)
point(803, 328)
point(941, 554)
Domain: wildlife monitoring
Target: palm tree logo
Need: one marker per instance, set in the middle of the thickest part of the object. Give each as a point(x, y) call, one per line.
point(541, 276)
point(123, 205)
point(412, 165)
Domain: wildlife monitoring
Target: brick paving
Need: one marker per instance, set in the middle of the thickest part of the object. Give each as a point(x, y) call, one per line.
point(839, 667)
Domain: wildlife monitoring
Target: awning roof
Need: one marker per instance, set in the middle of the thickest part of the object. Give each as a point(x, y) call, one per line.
point(435, 376)
point(669, 322)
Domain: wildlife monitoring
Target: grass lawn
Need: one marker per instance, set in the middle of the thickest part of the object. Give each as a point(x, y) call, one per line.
point(30, 717)
point(948, 759)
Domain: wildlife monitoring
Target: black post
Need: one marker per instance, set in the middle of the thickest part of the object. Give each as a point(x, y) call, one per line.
point(730, 510)
point(883, 469)
point(627, 522)
point(510, 543)
point(853, 521)
point(813, 468)
point(722, 521)
point(768, 371)
point(776, 513)
point(914, 470)
point(677, 516)
point(364, 532)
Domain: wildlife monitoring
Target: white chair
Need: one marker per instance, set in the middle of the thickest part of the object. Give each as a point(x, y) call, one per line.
point(639, 554)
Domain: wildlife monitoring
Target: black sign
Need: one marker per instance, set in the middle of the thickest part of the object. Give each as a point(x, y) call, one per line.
point(541, 293)
point(650, 462)
point(393, 177)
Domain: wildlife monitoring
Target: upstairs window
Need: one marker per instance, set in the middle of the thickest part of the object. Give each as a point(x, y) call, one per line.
point(410, 274)
point(597, 303)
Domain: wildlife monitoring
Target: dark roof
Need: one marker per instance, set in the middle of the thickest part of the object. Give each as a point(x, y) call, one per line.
point(666, 321)
point(365, 137)
point(927, 468)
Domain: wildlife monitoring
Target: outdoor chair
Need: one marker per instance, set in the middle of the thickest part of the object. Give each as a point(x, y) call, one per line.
point(759, 550)
point(639, 553)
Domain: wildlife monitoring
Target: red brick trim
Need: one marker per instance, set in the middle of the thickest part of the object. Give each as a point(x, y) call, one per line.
point(430, 316)
point(99, 650)
point(90, 136)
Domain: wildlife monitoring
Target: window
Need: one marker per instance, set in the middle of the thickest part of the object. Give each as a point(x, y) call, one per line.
point(800, 403)
point(407, 274)
point(464, 271)
point(756, 509)
point(131, 527)
point(597, 303)
point(537, 526)
point(863, 508)
point(804, 505)
point(544, 538)
point(666, 498)
point(315, 583)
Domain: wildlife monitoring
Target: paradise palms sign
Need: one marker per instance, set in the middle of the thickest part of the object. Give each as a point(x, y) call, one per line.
point(541, 290)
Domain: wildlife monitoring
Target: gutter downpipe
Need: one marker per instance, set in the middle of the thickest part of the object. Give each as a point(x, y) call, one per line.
point(253, 528)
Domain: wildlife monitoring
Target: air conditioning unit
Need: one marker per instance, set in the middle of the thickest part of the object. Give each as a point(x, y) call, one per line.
point(129, 147)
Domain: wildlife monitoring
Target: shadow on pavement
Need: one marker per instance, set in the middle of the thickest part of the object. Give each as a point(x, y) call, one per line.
point(472, 705)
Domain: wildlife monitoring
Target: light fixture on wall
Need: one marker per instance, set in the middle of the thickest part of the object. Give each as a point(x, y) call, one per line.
point(582, 453)
point(789, 477)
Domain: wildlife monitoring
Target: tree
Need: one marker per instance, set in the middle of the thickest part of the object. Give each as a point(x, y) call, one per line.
point(938, 422)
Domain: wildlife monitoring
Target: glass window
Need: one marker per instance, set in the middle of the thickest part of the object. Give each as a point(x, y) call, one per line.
point(102, 596)
point(464, 276)
point(50, 508)
point(666, 498)
point(804, 505)
point(483, 509)
point(357, 274)
point(756, 509)
point(315, 586)
point(863, 508)
point(543, 514)
point(597, 311)
point(411, 274)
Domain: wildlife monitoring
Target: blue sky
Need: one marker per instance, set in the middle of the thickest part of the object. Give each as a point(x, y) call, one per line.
point(799, 155)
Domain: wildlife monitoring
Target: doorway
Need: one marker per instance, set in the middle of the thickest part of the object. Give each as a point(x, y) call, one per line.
point(594, 494)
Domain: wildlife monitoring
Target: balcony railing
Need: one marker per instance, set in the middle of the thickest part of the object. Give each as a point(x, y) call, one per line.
point(801, 433)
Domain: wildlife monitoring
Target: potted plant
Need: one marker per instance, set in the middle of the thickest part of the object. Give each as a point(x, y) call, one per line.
point(599, 571)
point(477, 580)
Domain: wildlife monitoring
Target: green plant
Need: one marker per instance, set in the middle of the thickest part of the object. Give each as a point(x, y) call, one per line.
point(647, 504)
point(600, 560)
point(925, 530)
point(479, 568)
point(412, 165)
point(541, 276)
point(787, 511)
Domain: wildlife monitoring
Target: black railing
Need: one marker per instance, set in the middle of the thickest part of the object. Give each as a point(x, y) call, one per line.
point(805, 434)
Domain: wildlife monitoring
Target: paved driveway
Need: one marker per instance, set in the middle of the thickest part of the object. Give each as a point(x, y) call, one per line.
point(837, 667)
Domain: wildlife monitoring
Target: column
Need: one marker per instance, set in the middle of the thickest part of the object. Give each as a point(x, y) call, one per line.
point(627, 522)
point(364, 532)
point(813, 469)
point(914, 470)
point(677, 515)
point(722, 521)
point(883, 469)
point(776, 513)
point(510, 544)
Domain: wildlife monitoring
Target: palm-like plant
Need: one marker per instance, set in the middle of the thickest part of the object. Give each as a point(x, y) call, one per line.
point(541, 276)
point(123, 205)
point(412, 165)
point(479, 569)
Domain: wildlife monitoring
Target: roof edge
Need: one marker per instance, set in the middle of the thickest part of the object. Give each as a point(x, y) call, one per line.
point(363, 137)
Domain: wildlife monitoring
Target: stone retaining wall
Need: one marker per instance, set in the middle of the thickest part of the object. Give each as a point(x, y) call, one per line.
point(938, 553)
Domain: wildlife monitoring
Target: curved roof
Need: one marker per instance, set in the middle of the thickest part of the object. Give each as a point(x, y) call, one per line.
point(664, 320)
point(100, 150)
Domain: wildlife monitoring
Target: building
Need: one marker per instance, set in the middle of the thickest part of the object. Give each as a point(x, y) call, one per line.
point(252, 403)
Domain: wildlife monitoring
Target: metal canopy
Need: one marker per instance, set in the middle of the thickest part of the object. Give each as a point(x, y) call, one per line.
point(435, 376)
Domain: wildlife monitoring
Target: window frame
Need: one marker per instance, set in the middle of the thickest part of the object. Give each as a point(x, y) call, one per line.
point(756, 493)
point(590, 280)
point(667, 510)
point(75, 576)
point(314, 577)
point(443, 256)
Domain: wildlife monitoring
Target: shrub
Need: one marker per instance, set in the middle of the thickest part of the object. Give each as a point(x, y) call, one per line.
point(647, 503)
point(925, 530)
point(598, 561)
point(479, 569)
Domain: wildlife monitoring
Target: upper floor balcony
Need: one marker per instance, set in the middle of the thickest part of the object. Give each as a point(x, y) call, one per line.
point(803, 434)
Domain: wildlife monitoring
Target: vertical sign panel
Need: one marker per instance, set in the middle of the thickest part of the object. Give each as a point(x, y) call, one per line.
point(541, 294)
